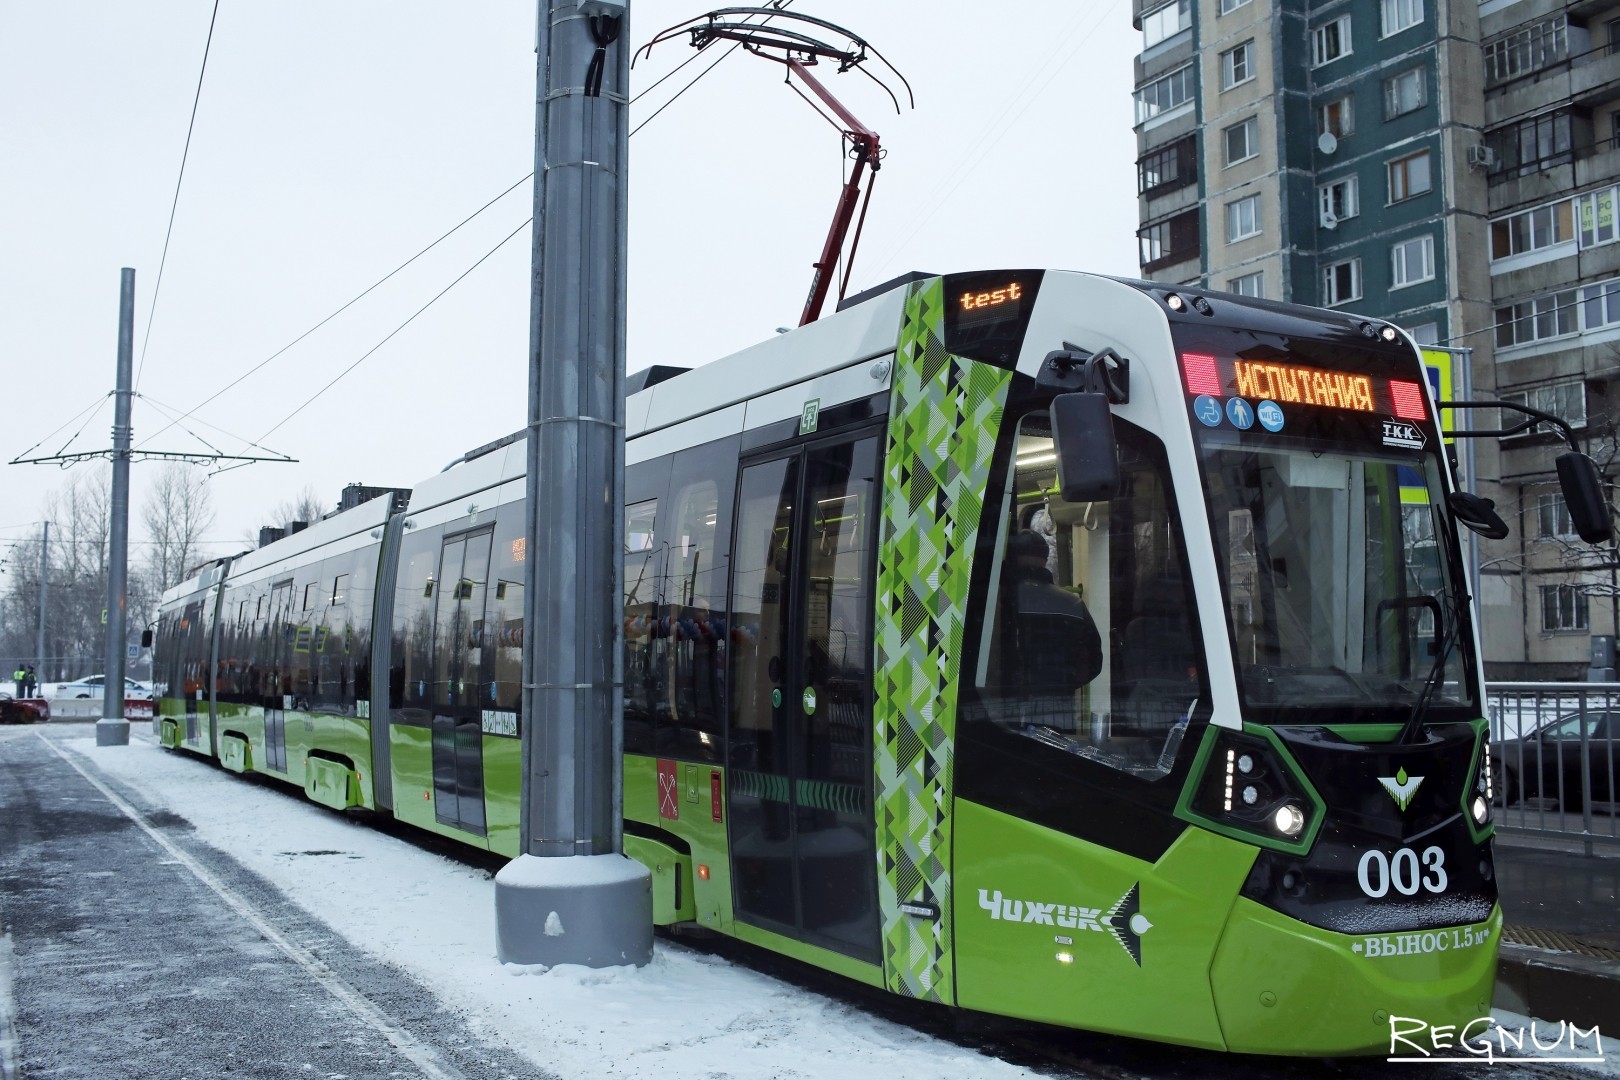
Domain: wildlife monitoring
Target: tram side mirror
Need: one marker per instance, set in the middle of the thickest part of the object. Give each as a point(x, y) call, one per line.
point(1477, 514)
point(1087, 456)
point(1583, 493)
point(146, 639)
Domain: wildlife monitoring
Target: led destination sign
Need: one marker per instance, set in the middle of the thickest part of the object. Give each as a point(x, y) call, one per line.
point(1296, 384)
point(1290, 385)
point(1009, 293)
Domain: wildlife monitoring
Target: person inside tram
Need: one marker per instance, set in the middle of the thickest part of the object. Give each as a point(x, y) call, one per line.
point(1058, 647)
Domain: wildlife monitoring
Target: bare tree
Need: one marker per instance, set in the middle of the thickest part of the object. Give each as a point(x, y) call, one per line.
point(306, 506)
point(177, 512)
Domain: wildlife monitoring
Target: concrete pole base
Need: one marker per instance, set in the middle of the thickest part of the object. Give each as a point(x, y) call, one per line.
point(112, 732)
point(593, 910)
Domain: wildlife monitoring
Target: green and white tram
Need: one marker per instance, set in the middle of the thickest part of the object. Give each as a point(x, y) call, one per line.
point(1185, 743)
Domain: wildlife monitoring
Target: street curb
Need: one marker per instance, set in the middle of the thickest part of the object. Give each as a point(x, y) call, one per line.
point(1551, 986)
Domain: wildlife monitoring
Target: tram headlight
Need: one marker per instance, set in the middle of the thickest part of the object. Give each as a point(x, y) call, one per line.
point(1289, 820)
point(1248, 784)
point(1484, 794)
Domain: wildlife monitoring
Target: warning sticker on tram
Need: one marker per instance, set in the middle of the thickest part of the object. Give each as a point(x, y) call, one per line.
point(1423, 943)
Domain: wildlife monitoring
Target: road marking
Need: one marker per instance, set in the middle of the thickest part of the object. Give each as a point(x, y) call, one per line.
point(419, 1053)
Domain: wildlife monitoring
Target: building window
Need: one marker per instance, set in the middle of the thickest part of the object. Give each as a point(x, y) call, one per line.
point(1595, 212)
point(1531, 230)
point(1536, 319)
point(1248, 285)
point(1162, 95)
point(1237, 65)
point(1566, 399)
point(1425, 333)
point(1242, 141)
point(1404, 93)
point(1170, 241)
point(1399, 14)
point(1532, 145)
point(1229, 6)
point(1409, 176)
point(1330, 41)
point(1165, 22)
point(1243, 219)
point(1563, 607)
point(1527, 49)
point(1412, 261)
point(1341, 282)
point(1339, 200)
point(1336, 118)
point(1169, 167)
point(1600, 305)
point(1553, 512)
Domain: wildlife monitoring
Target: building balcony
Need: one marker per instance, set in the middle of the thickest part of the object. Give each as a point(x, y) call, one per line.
point(1585, 79)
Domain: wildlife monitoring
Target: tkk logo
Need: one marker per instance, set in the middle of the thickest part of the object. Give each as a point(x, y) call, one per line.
point(1124, 920)
point(1401, 433)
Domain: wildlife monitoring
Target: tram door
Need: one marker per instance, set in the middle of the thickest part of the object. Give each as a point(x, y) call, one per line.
point(800, 739)
point(458, 632)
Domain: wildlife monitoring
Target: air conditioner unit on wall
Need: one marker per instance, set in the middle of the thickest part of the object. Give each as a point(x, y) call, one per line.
point(1481, 157)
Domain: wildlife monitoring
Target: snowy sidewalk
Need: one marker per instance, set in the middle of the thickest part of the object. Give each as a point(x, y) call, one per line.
point(140, 948)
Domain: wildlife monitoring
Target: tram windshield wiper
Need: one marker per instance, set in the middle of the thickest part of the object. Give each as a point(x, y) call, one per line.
point(1420, 708)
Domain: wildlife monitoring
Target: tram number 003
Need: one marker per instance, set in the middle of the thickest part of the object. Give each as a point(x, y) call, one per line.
point(1406, 870)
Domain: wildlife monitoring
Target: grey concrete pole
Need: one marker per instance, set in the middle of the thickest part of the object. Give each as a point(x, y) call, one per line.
point(113, 729)
point(44, 564)
point(572, 896)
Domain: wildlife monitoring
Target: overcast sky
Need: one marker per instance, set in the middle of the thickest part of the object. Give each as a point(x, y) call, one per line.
point(336, 138)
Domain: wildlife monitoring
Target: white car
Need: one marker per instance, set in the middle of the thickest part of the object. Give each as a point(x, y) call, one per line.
point(91, 687)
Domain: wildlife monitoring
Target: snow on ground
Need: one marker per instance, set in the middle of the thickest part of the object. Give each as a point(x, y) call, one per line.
point(8, 1011)
point(685, 1014)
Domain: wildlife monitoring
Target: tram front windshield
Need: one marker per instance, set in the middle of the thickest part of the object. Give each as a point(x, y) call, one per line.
point(1338, 565)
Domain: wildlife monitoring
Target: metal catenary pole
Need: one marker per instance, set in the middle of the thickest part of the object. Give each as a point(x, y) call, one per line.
point(113, 729)
point(572, 896)
point(44, 563)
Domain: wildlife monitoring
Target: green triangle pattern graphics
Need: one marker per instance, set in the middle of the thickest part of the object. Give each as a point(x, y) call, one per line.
point(944, 416)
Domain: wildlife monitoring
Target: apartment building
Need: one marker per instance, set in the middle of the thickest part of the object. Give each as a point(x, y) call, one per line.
point(1449, 165)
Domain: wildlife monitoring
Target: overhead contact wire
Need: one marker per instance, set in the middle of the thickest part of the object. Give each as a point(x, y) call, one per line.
point(102, 400)
point(342, 309)
point(396, 330)
point(163, 261)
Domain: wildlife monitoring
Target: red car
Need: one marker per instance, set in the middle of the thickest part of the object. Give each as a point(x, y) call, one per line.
point(13, 711)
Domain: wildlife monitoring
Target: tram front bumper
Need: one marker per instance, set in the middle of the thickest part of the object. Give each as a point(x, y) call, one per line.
point(1283, 987)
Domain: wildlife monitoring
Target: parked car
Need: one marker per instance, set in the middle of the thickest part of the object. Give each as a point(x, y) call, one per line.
point(13, 711)
point(1546, 764)
point(91, 687)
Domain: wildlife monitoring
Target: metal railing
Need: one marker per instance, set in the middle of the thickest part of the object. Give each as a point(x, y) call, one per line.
point(1553, 759)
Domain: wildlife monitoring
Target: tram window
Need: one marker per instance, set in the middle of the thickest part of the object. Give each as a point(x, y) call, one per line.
point(504, 605)
point(1335, 577)
point(413, 623)
point(459, 656)
point(692, 692)
point(642, 664)
point(1088, 645)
